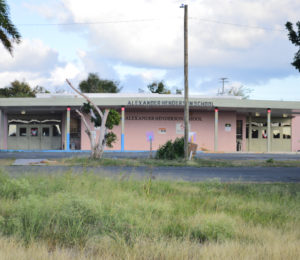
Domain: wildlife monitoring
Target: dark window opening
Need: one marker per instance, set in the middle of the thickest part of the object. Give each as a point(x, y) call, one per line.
point(46, 131)
point(23, 131)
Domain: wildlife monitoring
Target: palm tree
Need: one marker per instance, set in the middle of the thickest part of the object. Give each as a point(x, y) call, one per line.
point(8, 32)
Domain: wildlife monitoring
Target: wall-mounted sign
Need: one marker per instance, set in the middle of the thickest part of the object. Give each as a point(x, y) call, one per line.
point(168, 103)
point(150, 136)
point(227, 127)
point(180, 128)
point(162, 131)
point(161, 118)
point(192, 137)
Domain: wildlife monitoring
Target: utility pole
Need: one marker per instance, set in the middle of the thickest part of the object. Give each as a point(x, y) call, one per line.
point(223, 87)
point(186, 84)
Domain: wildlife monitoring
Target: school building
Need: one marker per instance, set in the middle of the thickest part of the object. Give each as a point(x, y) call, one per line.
point(219, 124)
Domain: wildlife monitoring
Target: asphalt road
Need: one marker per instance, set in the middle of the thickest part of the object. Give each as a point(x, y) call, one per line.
point(225, 156)
point(241, 174)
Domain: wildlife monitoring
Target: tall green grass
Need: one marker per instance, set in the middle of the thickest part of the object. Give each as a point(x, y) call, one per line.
point(75, 210)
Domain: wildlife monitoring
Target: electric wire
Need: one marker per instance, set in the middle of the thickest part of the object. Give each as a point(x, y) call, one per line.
point(151, 20)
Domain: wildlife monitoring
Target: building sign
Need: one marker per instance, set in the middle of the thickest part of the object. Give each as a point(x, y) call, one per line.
point(228, 127)
point(150, 136)
point(168, 103)
point(162, 118)
point(162, 131)
point(180, 128)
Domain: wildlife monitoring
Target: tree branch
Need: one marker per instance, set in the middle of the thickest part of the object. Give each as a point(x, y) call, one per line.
point(87, 98)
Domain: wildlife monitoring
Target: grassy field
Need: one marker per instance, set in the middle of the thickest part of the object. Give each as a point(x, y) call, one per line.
point(68, 216)
point(84, 161)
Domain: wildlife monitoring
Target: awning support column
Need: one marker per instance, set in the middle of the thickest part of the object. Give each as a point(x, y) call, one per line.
point(250, 133)
point(1, 129)
point(269, 131)
point(123, 129)
point(216, 129)
point(67, 130)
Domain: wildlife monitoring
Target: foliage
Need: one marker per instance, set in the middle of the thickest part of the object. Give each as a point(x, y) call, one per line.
point(17, 89)
point(94, 84)
point(178, 91)
point(21, 89)
point(294, 37)
point(113, 119)
point(100, 214)
point(40, 89)
point(8, 32)
point(171, 150)
point(240, 91)
point(158, 87)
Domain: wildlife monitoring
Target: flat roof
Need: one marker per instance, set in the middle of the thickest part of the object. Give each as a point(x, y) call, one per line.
point(149, 100)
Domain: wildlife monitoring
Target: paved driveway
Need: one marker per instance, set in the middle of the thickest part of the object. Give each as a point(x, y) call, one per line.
point(245, 174)
point(226, 156)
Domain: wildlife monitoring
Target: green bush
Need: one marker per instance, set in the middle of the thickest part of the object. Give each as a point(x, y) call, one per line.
point(171, 150)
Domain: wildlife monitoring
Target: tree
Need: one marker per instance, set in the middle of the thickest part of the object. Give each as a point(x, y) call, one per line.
point(17, 89)
point(21, 89)
point(158, 87)
point(294, 37)
point(240, 91)
point(178, 91)
point(104, 120)
point(40, 89)
point(94, 84)
point(8, 32)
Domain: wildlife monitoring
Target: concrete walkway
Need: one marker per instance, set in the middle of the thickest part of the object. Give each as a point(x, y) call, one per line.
point(224, 156)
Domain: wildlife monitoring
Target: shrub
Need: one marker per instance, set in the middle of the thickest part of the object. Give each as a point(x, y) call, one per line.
point(171, 150)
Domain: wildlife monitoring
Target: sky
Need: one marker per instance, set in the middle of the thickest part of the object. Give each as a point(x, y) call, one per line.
point(136, 42)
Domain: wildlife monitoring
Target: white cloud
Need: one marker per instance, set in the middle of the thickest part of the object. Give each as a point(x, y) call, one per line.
point(60, 74)
point(160, 42)
point(30, 55)
point(36, 63)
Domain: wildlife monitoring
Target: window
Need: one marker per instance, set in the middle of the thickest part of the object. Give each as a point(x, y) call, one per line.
point(45, 131)
point(23, 131)
point(56, 130)
point(264, 134)
point(34, 131)
point(254, 133)
point(276, 134)
point(286, 132)
point(239, 129)
point(12, 130)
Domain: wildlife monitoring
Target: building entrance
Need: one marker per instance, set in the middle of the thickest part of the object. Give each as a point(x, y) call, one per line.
point(34, 134)
point(257, 137)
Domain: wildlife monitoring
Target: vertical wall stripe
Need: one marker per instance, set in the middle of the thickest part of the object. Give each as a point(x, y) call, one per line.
point(123, 129)
point(68, 130)
point(216, 129)
point(269, 131)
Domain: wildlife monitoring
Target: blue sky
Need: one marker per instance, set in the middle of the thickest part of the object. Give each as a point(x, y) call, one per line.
point(136, 42)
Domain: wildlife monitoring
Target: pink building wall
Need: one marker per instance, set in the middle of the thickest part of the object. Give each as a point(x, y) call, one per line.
point(85, 141)
point(296, 133)
point(136, 130)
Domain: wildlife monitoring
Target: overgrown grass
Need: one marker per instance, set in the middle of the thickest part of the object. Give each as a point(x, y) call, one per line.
point(90, 217)
point(6, 162)
point(83, 161)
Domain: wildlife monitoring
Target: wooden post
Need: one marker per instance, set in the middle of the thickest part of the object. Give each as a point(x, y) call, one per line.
point(269, 131)
point(186, 86)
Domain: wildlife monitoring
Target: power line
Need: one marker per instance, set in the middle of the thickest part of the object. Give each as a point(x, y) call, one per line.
point(85, 23)
point(151, 20)
point(238, 25)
